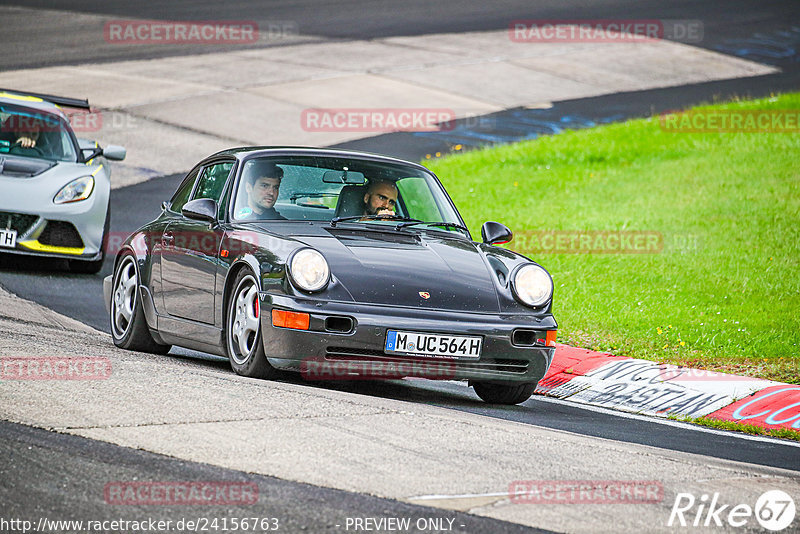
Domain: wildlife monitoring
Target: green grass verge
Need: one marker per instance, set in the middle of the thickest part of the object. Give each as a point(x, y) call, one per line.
point(782, 433)
point(723, 294)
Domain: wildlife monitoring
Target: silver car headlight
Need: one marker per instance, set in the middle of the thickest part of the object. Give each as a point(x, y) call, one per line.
point(309, 270)
point(76, 190)
point(532, 285)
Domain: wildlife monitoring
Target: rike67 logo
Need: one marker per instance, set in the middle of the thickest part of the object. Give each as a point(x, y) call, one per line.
point(774, 510)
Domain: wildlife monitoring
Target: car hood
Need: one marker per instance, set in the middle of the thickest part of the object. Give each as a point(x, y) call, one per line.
point(403, 268)
point(14, 167)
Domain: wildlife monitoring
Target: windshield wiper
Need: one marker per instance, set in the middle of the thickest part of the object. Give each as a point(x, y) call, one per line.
point(374, 218)
point(443, 224)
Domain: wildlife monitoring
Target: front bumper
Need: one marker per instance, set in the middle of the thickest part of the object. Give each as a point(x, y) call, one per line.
point(73, 232)
point(361, 349)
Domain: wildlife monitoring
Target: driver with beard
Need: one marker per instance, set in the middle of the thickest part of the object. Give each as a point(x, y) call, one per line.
point(380, 198)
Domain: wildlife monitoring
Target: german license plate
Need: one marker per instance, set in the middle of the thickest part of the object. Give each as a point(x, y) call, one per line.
point(8, 238)
point(433, 345)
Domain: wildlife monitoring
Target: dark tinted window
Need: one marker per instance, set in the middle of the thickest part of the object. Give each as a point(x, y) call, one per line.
point(317, 188)
point(48, 133)
point(181, 197)
point(212, 181)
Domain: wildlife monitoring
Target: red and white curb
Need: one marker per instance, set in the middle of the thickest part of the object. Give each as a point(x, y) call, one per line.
point(650, 388)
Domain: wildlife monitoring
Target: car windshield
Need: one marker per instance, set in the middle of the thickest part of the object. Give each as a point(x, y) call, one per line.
point(343, 191)
point(35, 134)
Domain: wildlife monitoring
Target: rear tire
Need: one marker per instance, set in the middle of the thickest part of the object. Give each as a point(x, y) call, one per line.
point(503, 393)
point(129, 328)
point(243, 330)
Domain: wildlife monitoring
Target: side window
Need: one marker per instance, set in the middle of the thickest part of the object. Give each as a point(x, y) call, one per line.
point(418, 199)
point(212, 181)
point(181, 197)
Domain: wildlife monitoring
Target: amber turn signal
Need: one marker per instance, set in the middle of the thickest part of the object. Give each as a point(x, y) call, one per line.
point(289, 319)
point(550, 338)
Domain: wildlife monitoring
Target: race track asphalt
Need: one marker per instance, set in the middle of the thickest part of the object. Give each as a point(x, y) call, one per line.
point(39, 39)
point(62, 477)
point(66, 468)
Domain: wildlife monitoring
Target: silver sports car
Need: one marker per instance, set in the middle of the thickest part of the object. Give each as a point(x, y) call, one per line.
point(55, 187)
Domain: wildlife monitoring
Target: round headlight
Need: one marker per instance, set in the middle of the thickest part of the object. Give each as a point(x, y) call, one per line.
point(532, 285)
point(309, 270)
point(78, 189)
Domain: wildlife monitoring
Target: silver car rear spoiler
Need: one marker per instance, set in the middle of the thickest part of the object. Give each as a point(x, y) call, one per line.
point(58, 100)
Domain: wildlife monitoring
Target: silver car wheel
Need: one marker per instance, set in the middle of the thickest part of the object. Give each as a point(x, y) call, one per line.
point(244, 323)
point(124, 298)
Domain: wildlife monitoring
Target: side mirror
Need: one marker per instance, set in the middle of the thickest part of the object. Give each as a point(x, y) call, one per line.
point(494, 233)
point(115, 152)
point(111, 152)
point(200, 209)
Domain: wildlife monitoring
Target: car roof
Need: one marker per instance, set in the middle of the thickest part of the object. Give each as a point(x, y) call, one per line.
point(34, 102)
point(248, 152)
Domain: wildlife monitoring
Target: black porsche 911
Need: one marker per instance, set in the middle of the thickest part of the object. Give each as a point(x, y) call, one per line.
point(335, 264)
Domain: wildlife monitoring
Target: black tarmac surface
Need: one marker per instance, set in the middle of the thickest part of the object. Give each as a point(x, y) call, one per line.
point(40, 38)
point(57, 477)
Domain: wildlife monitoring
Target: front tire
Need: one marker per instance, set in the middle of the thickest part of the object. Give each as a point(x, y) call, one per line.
point(243, 330)
point(503, 393)
point(129, 328)
point(86, 267)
